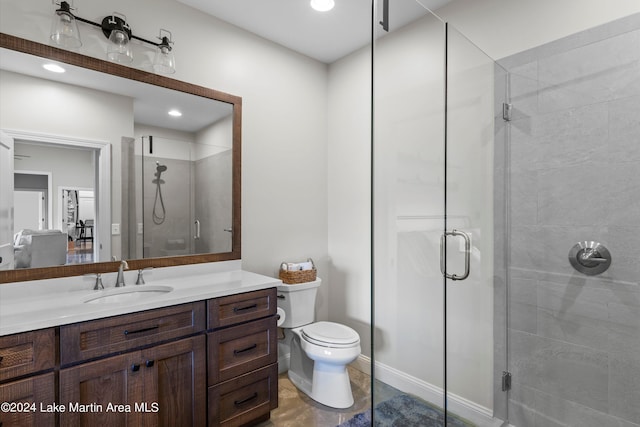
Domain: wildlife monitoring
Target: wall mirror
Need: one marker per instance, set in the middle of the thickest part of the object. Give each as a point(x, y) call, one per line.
point(100, 164)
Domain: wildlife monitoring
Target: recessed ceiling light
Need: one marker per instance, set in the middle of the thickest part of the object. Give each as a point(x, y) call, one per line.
point(322, 5)
point(54, 68)
point(175, 113)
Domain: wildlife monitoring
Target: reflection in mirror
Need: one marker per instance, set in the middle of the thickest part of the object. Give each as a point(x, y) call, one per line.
point(166, 190)
point(53, 217)
point(185, 189)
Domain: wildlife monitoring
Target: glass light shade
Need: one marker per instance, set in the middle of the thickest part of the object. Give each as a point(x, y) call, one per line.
point(119, 49)
point(64, 30)
point(322, 5)
point(164, 62)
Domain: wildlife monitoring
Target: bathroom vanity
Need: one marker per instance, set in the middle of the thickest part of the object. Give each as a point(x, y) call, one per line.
point(203, 353)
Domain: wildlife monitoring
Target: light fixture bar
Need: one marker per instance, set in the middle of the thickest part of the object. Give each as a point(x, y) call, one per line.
point(116, 22)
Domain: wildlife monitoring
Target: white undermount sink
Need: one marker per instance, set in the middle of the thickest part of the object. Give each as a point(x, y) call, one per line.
point(128, 294)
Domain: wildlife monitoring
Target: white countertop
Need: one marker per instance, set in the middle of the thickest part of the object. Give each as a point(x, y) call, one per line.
point(27, 306)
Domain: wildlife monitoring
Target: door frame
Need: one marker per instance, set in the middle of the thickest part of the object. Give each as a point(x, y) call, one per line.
point(102, 181)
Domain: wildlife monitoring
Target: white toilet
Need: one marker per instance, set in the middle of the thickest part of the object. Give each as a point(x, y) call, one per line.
point(319, 352)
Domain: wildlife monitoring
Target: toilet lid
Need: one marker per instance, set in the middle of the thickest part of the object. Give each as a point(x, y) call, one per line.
point(330, 334)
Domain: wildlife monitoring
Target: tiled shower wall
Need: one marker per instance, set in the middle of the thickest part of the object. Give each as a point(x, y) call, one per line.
point(574, 175)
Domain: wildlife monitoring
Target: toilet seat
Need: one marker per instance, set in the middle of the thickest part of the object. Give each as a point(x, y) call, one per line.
point(329, 334)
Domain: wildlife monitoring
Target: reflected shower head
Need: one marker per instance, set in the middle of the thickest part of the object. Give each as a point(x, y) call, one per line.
point(160, 168)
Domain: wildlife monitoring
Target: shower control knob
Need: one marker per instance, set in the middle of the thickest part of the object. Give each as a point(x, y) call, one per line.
point(590, 258)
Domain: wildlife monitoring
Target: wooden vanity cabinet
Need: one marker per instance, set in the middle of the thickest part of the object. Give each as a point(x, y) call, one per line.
point(162, 385)
point(242, 358)
point(209, 362)
point(140, 379)
point(26, 378)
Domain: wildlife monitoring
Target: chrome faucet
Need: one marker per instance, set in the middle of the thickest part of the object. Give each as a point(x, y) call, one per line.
point(120, 279)
point(141, 271)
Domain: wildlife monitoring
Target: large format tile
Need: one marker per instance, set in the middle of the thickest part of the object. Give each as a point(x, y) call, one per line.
point(624, 128)
point(573, 313)
point(578, 201)
point(571, 372)
point(552, 411)
point(624, 387)
point(623, 197)
point(597, 72)
point(523, 305)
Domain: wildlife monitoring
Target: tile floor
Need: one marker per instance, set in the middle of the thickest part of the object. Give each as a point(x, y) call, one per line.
point(295, 409)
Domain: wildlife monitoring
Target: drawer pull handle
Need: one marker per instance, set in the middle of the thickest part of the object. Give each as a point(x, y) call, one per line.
point(135, 367)
point(240, 402)
point(138, 331)
point(249, 307)
point(251, 347)
point(149, 363)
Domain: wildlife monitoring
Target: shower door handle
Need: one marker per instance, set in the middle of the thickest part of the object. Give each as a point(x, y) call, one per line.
point(467, 254)
point(197, 223)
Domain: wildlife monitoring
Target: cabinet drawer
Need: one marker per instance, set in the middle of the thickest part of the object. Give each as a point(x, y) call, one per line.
point(240, 349)
point(227, 311)
point(26, 353)
point(97, 338)
point(248, 398)
point(33, 393)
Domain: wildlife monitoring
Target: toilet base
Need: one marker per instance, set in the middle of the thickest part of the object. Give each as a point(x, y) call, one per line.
point(326, 383)
point(331, 385)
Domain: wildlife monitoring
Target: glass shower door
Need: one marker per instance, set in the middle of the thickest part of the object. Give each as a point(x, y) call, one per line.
point(408, 210)
point(438, 211)
point(472, 245)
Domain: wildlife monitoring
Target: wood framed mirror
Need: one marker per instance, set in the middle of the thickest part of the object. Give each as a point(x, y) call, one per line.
point(232, 228)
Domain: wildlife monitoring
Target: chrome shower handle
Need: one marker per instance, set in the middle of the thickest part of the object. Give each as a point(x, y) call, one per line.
point(467, 254)
point(197, 223)
point(590, 255)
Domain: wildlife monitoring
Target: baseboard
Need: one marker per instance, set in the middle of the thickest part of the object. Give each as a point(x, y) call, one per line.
point(471, 411)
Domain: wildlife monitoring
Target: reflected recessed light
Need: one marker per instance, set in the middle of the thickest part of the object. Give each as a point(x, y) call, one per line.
point(54, 68)
point(322, 5)
point(175, 113)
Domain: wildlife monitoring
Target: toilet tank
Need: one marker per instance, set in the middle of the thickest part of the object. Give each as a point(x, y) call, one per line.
point(298, 302)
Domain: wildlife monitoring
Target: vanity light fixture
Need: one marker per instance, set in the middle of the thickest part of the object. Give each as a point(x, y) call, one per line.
point(322, 5)
point(54, 68)
point(64, 33)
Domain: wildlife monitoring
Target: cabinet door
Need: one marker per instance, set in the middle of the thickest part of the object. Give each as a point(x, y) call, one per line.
point(102, 393)
point(28, 395)
point(175, 383)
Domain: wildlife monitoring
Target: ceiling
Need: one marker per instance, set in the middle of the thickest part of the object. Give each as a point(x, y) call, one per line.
point(325, 36)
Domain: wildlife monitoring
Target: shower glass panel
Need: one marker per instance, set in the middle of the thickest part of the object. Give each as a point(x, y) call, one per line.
point(408, 211)
point(438, 199)
point(475, 226)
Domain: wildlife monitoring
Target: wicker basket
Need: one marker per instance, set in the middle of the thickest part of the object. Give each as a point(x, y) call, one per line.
point(297, 276)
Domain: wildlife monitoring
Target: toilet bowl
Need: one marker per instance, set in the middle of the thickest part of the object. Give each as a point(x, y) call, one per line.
point(319, 351)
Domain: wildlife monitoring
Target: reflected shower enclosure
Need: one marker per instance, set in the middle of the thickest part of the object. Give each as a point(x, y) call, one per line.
point(180, 196)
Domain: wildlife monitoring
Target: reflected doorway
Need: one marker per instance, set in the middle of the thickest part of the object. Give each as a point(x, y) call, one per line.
point(78, 222)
